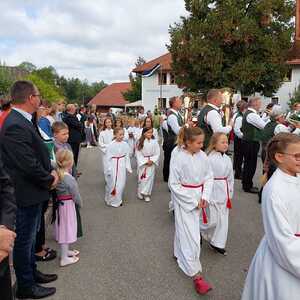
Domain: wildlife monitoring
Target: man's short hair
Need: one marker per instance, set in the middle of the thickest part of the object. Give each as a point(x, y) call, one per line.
point(212, 94)
point(21, 91)
point(58, 126)
point(253, 100)
point(172, 100)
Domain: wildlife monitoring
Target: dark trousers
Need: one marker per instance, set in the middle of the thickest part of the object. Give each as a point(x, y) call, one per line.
point(27, 224)
point(250, 151)
point(75, 148)
point(41, 234)
point(238, 157)
point(168, 148)
point(5, 281)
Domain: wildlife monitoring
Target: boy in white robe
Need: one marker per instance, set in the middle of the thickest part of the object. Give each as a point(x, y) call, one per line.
point(216, 230)
point(147, 155)
point(274, 273)
point(190, 182)
point(105, 138)
point(118, 162)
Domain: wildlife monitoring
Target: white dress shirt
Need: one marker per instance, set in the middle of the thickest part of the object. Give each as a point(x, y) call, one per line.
point(255, 119)
point(214, 120)
point(173, 121)
point(237, 126)
point(24, 113)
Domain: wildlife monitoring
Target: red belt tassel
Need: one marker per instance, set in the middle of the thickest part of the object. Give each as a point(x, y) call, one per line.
point(144, 175)
point(228, 203)
point(189, 186)
point(114, 191)
point(297, 234)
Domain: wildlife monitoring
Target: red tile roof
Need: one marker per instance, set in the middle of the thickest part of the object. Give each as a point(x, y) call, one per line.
point(112, 95)
point(164, 60)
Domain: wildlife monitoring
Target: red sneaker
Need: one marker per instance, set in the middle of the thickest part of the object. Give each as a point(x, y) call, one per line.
point(202, 287)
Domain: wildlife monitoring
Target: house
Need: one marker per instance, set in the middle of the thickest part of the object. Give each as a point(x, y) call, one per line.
point(111, 96)
point(158, 82)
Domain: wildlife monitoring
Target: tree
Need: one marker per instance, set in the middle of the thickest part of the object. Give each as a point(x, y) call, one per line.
point(27, 66)
point(6, 80)
point(135, 93)
point(240, 44)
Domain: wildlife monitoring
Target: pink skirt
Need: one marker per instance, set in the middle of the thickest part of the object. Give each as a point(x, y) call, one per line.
point(66, 230)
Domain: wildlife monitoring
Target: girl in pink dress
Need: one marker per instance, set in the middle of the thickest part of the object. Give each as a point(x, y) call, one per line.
point(67, 195)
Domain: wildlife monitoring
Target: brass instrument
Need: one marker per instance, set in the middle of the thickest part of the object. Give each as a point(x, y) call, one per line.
point(188, 105)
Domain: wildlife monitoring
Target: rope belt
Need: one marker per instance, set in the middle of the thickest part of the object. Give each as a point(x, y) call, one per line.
point(199, 186)
point(228, 203)
point(114, 191)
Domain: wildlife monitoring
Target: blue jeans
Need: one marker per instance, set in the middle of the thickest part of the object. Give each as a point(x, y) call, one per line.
point(27, 224)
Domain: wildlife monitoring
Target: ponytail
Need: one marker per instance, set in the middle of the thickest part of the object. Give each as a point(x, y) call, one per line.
point(188, 134)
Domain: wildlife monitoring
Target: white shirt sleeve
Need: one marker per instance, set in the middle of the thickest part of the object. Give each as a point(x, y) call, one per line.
point(256, 121)
point(214, 119)
point(281, 128)
point(173, 123)
point(237, 127)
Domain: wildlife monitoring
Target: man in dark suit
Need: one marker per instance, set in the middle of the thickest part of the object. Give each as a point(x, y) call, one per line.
point(7, 236)
point(27, 161)
point(75, 130)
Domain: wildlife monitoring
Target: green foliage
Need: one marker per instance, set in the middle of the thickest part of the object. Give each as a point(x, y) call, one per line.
point(47, 90)
point(27, 66)
point(295, 98)
point(135, 94)
point(6, 80)
point(241, 44)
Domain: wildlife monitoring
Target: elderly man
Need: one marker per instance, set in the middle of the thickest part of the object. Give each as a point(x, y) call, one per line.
point(174, 123)
point(76, 130)
point(27, 161)
point(211, 118)
point(252, 126)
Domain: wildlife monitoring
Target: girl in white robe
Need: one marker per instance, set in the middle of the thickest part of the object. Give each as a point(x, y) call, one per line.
point(118, 162)
point(119, 123)
point(274, 273)
point(147, 155)
point(105, 138)
point(147, 123)
point(131, 137)
point(216, 230)
point(190, 182)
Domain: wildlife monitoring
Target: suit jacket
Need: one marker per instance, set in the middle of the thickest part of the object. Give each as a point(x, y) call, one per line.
point(26, 159)
point(75, 128)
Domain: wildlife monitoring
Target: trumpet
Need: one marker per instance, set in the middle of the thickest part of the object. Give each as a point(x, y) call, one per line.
point(188, 105)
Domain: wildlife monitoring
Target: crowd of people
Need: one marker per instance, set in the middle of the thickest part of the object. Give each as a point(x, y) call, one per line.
point(40, 147)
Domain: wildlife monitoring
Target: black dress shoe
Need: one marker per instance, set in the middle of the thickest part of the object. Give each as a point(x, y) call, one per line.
point(50, 255)
point(219, 250)
point(252, 190)
point(44, 278)
point(35, 292)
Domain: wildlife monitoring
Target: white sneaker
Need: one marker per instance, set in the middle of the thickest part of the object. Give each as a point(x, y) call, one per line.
point(147, 199)
point(140, 196)
point(69, 261)
point(89, 146)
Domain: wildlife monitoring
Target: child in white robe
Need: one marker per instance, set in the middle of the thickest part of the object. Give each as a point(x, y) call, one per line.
point(131, 137)
point(190, 182)
point(118, 162)
point(119, 123)
point(105, 138)
point(147, 156)
point(147, 123)
point(275, 269)
point(216, 230)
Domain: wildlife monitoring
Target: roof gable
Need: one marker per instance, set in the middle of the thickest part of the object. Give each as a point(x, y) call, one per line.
point(165, 61)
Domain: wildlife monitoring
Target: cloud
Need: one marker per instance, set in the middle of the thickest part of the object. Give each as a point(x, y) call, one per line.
point(96, 40)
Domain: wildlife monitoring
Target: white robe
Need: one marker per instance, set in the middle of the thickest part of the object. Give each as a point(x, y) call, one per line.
point(105, 138)
point(116, 171)
point(131, 140)
point(274, 273)
point(216, 230)
point(188, 169)
point(146, 174)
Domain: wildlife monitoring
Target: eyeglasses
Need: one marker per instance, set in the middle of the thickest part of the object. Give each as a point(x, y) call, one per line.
point(295, 155)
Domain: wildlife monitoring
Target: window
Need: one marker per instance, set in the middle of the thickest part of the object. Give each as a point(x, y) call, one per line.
point(172, 78)
point(162, 103)
point(275, 100)
point(162, 78)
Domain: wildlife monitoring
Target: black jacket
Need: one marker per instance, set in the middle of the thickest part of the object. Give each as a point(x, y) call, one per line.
point(75, 128)
point(26, 160)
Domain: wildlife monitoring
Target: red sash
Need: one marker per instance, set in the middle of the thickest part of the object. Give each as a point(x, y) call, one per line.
point(228, 203)
point(199, 186)
point(114, 191)
point(64, 197)
point(144, 175)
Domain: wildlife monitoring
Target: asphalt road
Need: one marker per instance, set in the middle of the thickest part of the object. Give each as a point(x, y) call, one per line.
point(127, 252)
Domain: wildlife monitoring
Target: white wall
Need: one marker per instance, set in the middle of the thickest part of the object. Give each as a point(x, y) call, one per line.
point(151, 91)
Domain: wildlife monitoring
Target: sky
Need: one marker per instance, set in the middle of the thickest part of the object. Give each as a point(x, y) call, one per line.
point(89, 39)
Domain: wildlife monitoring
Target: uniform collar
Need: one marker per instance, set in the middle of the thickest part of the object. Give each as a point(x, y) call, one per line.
point(252, 109)
point(214, 106)
point(24, 113)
